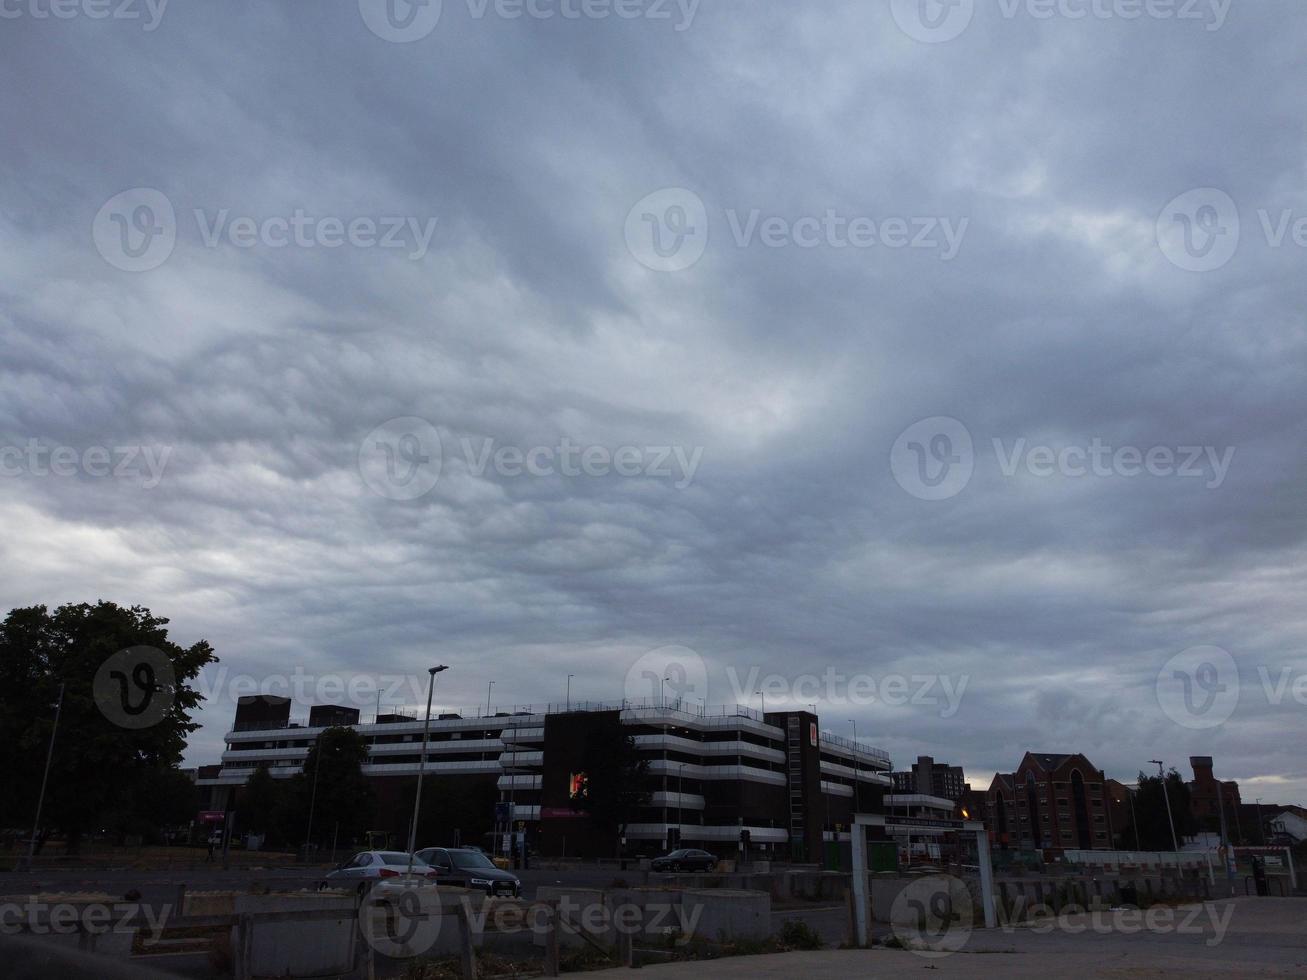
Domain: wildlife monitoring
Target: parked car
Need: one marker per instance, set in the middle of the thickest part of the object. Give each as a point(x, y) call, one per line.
point(465, 867)
point(367, 868)
point(685, 859)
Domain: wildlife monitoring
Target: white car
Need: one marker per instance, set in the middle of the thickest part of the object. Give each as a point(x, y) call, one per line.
point(369, 868)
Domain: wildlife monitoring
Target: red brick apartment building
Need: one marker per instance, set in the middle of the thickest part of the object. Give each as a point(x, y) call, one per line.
point(1053, 801)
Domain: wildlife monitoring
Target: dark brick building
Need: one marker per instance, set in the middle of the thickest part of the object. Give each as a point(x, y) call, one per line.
point(1053, 801)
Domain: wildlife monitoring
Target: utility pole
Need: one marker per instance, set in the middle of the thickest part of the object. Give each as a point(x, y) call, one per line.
point(313, 797)
point(1175, 845)
point(421, 765)
point(45, 778)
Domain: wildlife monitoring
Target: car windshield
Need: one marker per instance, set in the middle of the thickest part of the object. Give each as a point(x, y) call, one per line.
point(399, 857)
point(471, 859)
point(679, 854)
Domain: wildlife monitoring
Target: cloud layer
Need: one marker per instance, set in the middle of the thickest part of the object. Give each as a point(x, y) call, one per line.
point(865, 227)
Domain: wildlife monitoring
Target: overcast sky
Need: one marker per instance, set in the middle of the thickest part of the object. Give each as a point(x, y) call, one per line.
point(955, 361)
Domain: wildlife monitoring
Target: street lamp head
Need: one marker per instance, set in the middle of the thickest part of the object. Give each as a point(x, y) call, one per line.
point(437, 670)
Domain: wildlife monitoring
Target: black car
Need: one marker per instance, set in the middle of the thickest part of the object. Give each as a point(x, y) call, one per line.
point(685, 859)
point(464, 867)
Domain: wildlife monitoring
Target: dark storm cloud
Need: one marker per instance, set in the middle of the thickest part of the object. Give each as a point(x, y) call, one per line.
point(1050, 604)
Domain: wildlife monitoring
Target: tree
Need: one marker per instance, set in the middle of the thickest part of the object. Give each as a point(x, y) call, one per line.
point(343, 799)
point(123, 723)
point(1151, 811)
point(259, 801)
point(616, 785)
point(453, 803)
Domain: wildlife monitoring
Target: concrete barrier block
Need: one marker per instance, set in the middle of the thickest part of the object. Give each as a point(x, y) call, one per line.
point(722, 913)
point(321, 947)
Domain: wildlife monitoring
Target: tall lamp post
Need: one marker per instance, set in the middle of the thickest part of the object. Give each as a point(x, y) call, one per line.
point(569, 691)
point(1131, 793)
point(313, 797)
point(489, 687)
point(45, 778)
point(1175, 845)
point(422, 763)
point(857, 770)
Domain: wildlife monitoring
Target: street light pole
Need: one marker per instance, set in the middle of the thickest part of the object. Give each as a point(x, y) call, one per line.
point(763, 698)
point(857, 770)
point(1133, 820)
point(313, 798)
point(489, 688)
point(1175, 845)
point(45, 778)
point(569, 691)
point(422, 763)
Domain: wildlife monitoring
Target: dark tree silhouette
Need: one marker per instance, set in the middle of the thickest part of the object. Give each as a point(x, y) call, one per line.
point(104, 775)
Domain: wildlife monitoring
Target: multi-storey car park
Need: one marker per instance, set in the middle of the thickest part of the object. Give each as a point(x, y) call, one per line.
point(713, 771)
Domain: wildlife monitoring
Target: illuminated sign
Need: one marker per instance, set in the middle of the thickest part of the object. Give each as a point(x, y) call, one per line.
point(578, 785)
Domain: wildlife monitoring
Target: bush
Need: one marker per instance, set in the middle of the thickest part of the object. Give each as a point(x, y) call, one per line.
point(799, 935)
